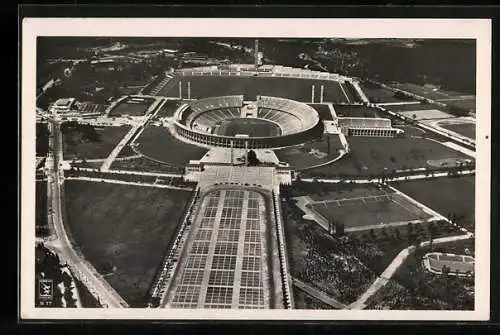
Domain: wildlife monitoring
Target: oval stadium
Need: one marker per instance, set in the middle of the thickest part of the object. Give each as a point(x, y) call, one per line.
point(228, 121)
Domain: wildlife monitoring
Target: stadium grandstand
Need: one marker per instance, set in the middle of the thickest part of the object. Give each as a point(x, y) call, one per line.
point(228, 121)
point(376, 127)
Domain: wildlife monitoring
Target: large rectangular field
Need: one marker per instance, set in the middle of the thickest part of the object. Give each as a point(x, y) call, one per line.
point(158, 144)
point(248, 126)
point(123, 230)
point(250, 87)
point(85, 141)
point(370, 210)
point(374, 155)
point(445, 196)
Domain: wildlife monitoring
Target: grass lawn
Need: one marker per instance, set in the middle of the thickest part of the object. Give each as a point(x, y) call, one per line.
point(42, 139)
point(124, 230)
point(76, 144)
point(445, 195)
point(373, 155)
point(425, 92)
point(311, 153)
point(157, 143)
point(379, 94)
point(465, 129)
point(250, 87)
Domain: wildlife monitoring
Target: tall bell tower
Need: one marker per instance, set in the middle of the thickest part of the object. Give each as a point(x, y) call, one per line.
point(256, 53)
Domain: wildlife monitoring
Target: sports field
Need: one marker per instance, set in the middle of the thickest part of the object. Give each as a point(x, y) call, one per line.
point(91, 142)
point(374, 155)
point(158, 144)
point(250, 87)
point(465, 129)
point(129, 107)
point(371, 210)
point(445, 196)
point(357, 111)
point(123, 230)
point(248, 126)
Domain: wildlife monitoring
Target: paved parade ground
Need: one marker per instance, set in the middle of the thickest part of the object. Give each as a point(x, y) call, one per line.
point(225, 262)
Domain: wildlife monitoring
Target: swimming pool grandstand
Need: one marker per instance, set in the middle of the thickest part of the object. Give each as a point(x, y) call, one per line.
point(377, 127)
point(451, 264)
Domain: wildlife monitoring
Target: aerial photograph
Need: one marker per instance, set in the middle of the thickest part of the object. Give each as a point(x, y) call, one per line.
point(255, 173)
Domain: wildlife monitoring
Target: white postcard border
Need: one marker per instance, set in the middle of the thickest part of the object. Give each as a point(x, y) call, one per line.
point(479, 29)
